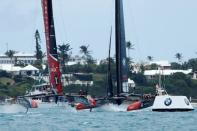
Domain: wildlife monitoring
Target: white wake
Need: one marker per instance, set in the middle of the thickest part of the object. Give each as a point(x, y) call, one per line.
point(114, 107)
point(12, 108)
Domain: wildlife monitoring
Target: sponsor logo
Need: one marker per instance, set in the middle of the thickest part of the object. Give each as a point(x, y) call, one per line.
point(53, 69)
point(168, 101)
point(124, 62)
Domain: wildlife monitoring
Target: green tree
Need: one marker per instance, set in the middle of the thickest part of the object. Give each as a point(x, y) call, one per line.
point(39, 53)
point(64, 54)
point(175, 66)
point(86, 54)
point(142, 68)
point(10, 54)
point(84, 50)
point(192, 63)
point(179, 57)
point(150, 58)
point(129, 46)
point(154, 66)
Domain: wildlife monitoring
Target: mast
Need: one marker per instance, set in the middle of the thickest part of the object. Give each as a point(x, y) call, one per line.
point(121, 62)
point(52, 56)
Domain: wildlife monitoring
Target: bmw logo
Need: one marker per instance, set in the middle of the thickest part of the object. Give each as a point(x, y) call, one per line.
point(168, 101)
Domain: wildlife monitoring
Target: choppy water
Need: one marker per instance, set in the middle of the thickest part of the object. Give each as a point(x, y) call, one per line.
point(109, 118)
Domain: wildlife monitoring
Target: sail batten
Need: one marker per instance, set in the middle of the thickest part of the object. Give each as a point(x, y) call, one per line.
point(52, 56)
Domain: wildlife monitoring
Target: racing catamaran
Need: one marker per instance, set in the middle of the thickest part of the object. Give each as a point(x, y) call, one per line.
point(51, 92)
point(80, 101)
point(122, 90)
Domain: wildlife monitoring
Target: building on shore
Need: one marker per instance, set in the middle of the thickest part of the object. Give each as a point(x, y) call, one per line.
point(162, 68)
point(81, 79)
point(151, 74)
point(25, 58)
point(19, 57)
point(17, 70)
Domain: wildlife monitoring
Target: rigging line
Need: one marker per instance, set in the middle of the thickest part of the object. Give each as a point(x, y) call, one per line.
point(111, 20)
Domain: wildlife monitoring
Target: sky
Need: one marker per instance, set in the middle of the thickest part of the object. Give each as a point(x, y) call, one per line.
point(157, 28)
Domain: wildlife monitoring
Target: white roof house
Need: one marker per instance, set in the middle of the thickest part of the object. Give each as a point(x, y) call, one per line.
point(165, 72)
point(131, 83)
point(10, 68)
point(17, 69)
point(27, 58)
point(20, 54)
point(29, 68)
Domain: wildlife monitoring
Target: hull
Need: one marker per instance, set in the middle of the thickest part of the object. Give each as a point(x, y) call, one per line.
point(130, 103)
point(45, 101)
point(81, 102)
point(171, 103)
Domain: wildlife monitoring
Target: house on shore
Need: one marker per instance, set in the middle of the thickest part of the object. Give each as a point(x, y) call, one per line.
point(17, 70)
point(81, 79)
point(163, 68)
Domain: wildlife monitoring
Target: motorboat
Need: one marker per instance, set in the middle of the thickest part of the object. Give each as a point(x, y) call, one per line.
point(42, 95)
point(164, 102)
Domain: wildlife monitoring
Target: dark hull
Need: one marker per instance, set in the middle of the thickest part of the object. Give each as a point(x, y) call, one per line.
point(145, 103)
point(172, 110)
point(79, 102)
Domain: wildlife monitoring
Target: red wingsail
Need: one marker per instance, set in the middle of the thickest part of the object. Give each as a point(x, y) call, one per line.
point(52, 56)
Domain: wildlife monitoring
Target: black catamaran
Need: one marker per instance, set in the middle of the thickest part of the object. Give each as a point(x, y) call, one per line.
point(122, 91)
point(121, 61)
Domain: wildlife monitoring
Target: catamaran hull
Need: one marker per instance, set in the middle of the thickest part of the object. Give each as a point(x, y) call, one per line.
point(81, 106)
point(139, 105)
point(172, 110)
point(81, 102)
point(126, 104)
point(171, 104)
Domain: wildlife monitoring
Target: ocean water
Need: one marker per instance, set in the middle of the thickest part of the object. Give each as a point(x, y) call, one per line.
point(107, 118)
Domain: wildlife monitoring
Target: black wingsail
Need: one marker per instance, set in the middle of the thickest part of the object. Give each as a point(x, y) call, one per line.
point(121, 62)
